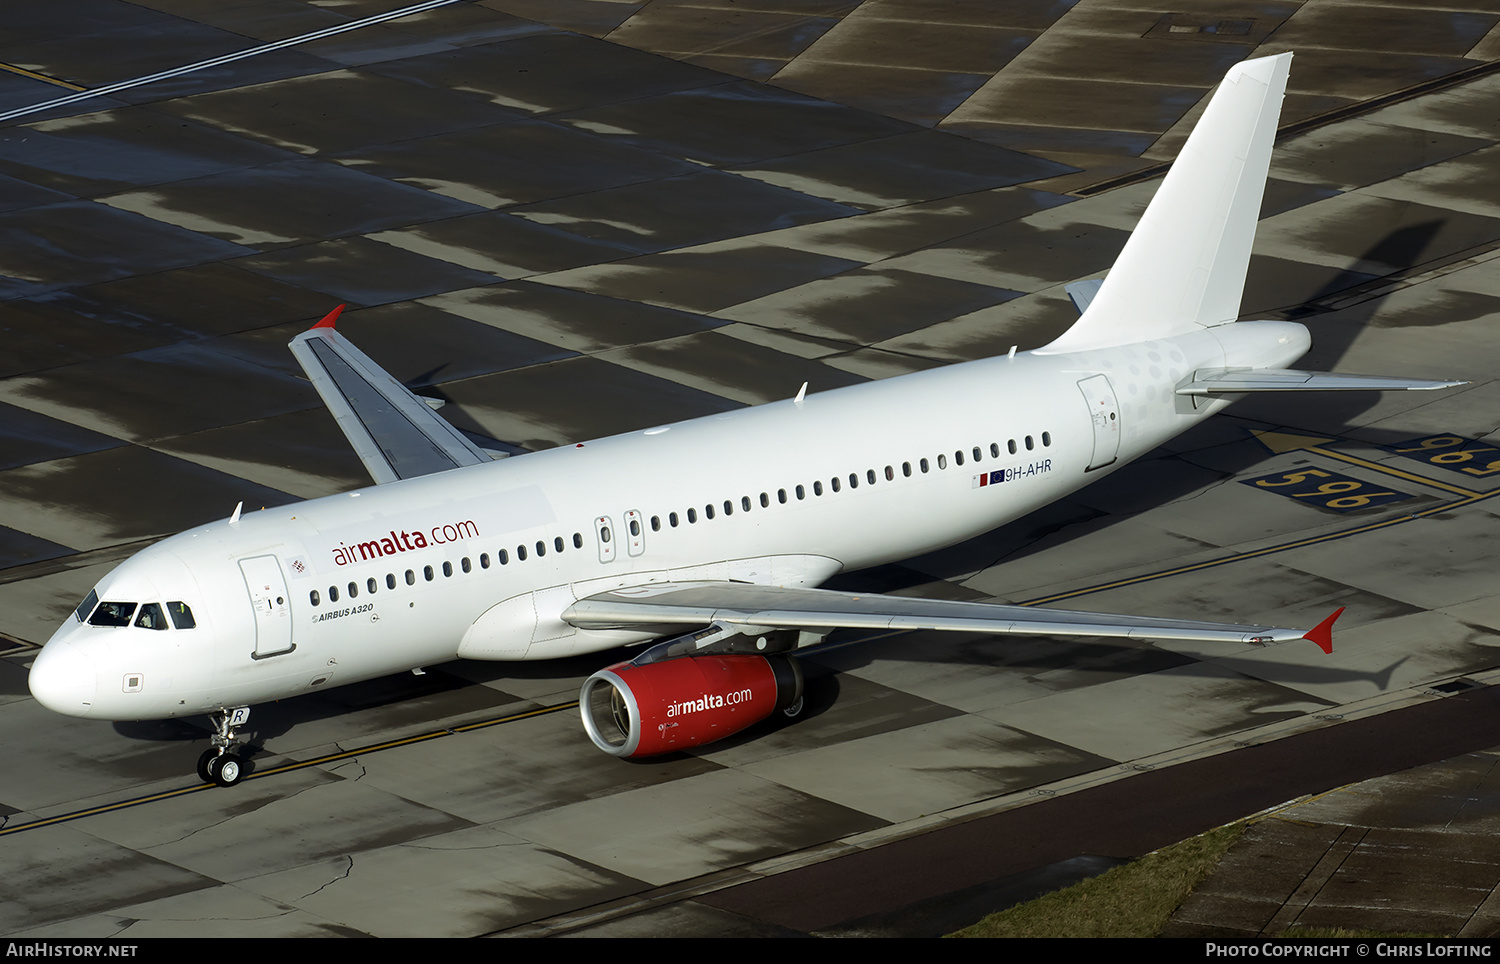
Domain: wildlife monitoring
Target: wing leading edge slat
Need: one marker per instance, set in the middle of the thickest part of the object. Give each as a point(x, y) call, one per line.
point(395, 434)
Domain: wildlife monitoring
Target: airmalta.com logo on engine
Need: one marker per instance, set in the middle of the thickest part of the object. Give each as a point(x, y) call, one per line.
point(344, 554)
point(709, 701)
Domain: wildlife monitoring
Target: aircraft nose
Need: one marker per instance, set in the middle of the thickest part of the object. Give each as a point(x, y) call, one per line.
point(63, 680)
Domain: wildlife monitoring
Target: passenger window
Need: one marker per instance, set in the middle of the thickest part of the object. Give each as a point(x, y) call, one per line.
point(994, 450)
point(635, 527)
point(411, 578)
point(801, 493)
point(890, 474)
point(853, 480)
point(151, 617)
point(708, 511)
point(765, 499)
point(353, 590)
point(504, 557)
point(557, 543)
point(370, 584)
point(958, 458)
point(976, 453)
point(906, 469)
point(656, 523)
point(672, 519)
point(314, 598)
point(603, 535)
point(484, 560)
point(923, 463)
point(578, 540)
point(781, 496)
point(1046, 438)
point(745, 501)
point(390, 580)
point(942, 461)
point(728, 507)
point(1029, 444)
point(465, 565)
point(521, 553)
point(692, 515)
point(182, 616)
point(333, 593)
point(1012, 446)
point(817, 488)
point(427, 573)
point(541, 548)
point(835, 483)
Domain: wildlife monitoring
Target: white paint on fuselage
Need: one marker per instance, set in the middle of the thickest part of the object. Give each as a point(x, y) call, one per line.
point(373, 533)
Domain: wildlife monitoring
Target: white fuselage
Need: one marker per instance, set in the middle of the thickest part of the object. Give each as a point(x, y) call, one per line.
point(466, 563)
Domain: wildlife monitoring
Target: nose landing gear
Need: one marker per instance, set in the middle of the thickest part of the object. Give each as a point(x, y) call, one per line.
point(219, 764)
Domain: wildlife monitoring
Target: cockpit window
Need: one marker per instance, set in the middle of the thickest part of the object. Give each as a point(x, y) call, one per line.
point(182, 616)
point(112, 614)
point(87, 606)
point(151, 617)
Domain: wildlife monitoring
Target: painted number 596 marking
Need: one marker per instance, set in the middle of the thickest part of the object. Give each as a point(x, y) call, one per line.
point(1327, 489)
point(1453, 452)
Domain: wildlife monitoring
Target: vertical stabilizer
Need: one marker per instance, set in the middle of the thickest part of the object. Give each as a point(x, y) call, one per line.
point(1184, 265)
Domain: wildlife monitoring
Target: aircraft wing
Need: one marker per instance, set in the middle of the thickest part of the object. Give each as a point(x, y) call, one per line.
point(395, 434)
point(664, 607)
point(1232, 381)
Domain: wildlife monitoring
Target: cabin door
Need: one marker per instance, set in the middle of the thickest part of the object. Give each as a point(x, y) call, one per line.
point(273, 611)
point(1104, 411)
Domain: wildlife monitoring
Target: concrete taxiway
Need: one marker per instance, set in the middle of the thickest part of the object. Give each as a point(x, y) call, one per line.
point(571, 219)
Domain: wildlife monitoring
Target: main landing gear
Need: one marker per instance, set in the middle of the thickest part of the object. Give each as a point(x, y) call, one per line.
point(219, 764)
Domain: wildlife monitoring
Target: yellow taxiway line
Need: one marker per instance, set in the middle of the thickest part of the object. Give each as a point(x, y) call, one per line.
point(9, 68)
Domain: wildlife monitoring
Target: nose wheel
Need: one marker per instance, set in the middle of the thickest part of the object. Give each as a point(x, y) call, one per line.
point(219, 764)
point(224, 769)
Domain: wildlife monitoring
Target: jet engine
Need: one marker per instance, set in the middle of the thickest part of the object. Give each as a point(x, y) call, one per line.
point(633, 710)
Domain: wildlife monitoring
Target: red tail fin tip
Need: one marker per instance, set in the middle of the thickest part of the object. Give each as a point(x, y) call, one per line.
point(330, 318)
point(1322, 634)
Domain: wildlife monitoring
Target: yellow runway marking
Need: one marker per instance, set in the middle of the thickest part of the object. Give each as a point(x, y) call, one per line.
point(1287, 442)
point(36, 76)
point(1256, 553)
point(289, 767)
point(1279, 442)
point(1398, 473)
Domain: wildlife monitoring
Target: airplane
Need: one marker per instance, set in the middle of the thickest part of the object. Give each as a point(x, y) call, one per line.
point(705, 538)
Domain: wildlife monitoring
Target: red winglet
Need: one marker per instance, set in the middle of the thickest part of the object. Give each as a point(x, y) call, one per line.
point(330, 318)
point(1323, 633)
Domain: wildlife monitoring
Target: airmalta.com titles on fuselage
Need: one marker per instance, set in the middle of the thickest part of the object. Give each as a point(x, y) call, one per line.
point(403, 541)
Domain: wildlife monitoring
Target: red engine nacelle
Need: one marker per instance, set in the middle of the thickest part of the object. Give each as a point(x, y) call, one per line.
point(635, 711)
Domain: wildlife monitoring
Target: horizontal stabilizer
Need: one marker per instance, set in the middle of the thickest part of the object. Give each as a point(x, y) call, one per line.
point(1082, 293)
point(1234, 381)
point(395, 434)
point(659, 607)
